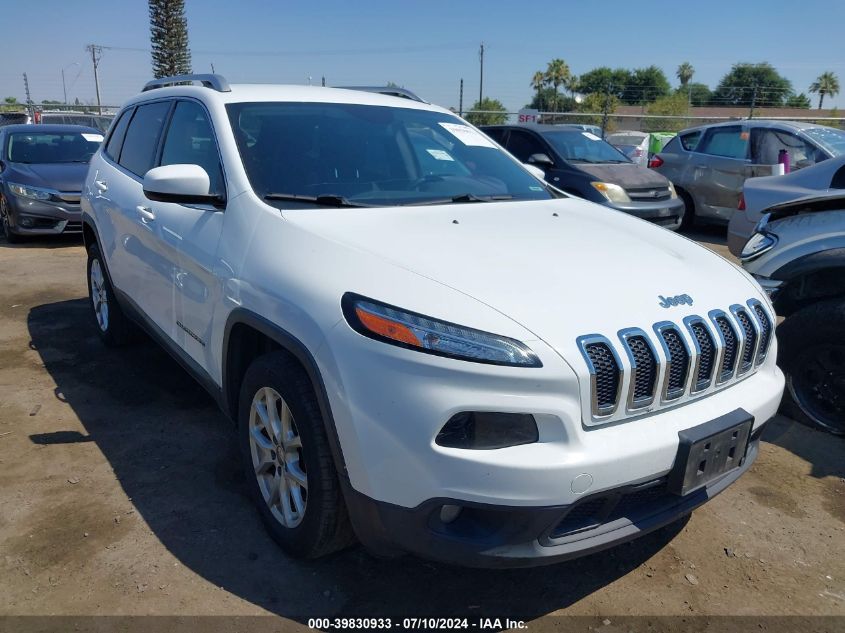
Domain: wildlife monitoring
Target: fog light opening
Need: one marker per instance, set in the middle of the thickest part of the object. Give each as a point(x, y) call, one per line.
point(449, 513)
point(27, 222)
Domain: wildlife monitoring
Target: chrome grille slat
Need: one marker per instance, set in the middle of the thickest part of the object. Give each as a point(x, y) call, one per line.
point(698, 357)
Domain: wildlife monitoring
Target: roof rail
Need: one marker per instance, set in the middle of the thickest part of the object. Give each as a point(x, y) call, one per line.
point(392, 91)
point(215, 82)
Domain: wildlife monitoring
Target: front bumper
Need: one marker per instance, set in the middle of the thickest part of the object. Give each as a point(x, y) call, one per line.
point(502, 536)
point(666, 213)
point(34, 217)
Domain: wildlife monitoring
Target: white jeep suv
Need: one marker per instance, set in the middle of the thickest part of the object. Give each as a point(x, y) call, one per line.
point(422, 344)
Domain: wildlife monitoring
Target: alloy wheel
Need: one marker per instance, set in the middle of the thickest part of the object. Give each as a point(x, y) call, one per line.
point(276, 449)
point(817, 384)
point(99, 297)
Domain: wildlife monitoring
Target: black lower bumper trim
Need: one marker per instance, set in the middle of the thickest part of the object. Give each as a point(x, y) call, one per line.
point(513, 536)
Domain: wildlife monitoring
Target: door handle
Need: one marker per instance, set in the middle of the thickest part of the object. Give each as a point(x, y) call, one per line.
point(101, 185)
point(146, 213)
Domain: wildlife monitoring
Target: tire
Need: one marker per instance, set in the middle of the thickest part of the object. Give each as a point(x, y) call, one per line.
point(111, 323)
point(310, 520)
point(5, 223)
point(812, 355)
point(688, 220)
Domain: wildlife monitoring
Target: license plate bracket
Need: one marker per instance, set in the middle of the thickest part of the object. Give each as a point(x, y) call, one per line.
point(710, 450)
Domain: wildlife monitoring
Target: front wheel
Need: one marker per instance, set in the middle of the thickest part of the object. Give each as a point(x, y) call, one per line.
point(287, 460)
point(6, 222)
point(812, 354)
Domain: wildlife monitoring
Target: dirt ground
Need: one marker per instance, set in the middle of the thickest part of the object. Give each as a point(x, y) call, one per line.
point(121, 493)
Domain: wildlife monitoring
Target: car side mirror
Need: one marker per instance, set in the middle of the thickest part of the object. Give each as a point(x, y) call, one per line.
point(183, 184)
point(542, 160)
point(538, 173)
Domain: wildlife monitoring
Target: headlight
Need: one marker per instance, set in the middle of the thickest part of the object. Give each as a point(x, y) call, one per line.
point(424, 334)
point(758, 244)
point(672, 192)
point(34, 193)
point(612, 192)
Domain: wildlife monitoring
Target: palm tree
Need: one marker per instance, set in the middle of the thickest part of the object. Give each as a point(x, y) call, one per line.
point(684, 73)
point(557, 74)
point(538, 82)
point(826, 84)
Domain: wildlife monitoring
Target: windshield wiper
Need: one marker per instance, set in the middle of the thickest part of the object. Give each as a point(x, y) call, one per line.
point(464, 197)
point(321, 200)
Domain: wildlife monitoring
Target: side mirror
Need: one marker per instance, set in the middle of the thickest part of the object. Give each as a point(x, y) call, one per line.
point(183, 184)
point(540, 159)
point(538, 173)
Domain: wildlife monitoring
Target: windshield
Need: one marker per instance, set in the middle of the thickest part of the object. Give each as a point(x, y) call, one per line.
point(52, 147)
point(830, 139)
point(358, 155)
point(584, 147)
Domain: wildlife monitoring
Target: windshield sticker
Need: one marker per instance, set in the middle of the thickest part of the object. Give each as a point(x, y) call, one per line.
point(467, 135)
point(440, 154)
point(94, 138)
point(591, 136)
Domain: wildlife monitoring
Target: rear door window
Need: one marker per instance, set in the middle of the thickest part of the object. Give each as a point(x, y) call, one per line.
point(497, 134)
point(139, 146)
point(730, 142)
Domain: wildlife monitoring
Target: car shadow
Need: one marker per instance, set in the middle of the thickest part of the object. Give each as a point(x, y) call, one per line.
point(173, 453)
point(821, 450)
point(46, 241)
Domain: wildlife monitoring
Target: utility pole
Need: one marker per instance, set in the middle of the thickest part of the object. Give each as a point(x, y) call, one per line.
point(212, 69)
point(461, 100)
point(324, 81)
point(753, 101)
point(605, 111)
point(96, 53)
point(481, 79)
point(29, 104)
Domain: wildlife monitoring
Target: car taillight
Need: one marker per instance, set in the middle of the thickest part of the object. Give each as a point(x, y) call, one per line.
point(741, 205)
point(655, 162)
point(38, 117)
point(638, 152)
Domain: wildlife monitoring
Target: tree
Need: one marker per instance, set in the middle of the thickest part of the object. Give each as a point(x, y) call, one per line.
point(487, 112)
point(826, 84)
point(675, 105)
point(538, 82)
point(745, 83)
point(558, 74)
point(798, 101)
point(684, 73)
point(596, 103)
point(602, 79)
point(697, 94)
point(169, 38)
point(542, 99)
point(645, 85)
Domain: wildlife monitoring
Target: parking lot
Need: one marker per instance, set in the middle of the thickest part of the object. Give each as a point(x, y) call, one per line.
point(121, 493)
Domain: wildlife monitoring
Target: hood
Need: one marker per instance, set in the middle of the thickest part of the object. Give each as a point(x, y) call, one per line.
point(560, 268)
point(58, 176)
point(626, 175)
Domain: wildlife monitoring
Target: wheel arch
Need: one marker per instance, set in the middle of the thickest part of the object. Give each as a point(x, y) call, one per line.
point(247, 336)
point(814, 277)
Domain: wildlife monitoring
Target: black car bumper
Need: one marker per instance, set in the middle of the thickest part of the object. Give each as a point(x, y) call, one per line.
point(667, 213)
point(500, 537)
point(33, 217)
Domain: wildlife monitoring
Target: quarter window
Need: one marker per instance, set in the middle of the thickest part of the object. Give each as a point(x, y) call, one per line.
point(116, 139)
point(190, 141)
point(730, 142)
point(139, 146)
point(690, 141)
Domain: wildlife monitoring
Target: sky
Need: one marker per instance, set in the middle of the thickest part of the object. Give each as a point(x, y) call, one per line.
point(426, 46)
